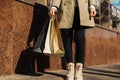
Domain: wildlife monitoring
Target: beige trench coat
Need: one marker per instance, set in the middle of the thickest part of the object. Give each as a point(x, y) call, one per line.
point(66, 12)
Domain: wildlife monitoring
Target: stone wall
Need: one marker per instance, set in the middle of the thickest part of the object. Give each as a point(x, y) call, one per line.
point(102, 47)
point(19, 24)
point(5, 37)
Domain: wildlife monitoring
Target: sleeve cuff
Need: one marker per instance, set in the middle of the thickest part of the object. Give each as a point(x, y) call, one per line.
point(55, 9)
point(92, 6)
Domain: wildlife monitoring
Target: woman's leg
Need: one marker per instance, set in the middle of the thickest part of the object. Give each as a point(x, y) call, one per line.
point(67, 42)
point(79, 38)
point(79, 55)
point(80, 45)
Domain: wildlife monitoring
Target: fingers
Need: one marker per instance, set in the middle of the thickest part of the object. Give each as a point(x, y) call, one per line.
point(52, 12)
point(92, 12)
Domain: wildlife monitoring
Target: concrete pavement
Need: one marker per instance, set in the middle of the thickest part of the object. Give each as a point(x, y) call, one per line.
point(101, 72)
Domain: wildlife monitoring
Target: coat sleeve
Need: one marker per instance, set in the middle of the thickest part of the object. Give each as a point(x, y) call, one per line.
point(56, 3)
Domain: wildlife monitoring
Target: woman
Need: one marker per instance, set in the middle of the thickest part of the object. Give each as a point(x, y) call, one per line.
point(73, 15)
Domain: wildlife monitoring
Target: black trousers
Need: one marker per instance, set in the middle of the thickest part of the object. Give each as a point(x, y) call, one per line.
point(76, 33)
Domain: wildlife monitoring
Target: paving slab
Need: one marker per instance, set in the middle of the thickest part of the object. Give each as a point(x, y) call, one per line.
point(101, 72)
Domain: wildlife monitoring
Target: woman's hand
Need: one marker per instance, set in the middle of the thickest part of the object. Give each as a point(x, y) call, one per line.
point(53, 11)
point(92, 12)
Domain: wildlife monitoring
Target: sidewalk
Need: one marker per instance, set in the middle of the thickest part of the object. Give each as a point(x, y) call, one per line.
point(101, 72)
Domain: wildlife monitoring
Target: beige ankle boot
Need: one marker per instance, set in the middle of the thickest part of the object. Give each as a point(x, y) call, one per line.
point(78, 71)
point(70, 74)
